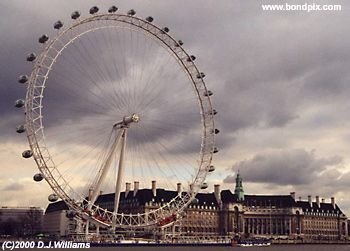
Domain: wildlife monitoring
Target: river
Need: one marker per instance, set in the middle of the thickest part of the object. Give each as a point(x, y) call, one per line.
point(316, 247)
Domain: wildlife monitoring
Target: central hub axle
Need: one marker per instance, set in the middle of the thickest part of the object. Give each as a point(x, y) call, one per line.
point(134, 118)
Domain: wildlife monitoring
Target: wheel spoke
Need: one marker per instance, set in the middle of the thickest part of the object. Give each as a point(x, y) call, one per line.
point(119, 71)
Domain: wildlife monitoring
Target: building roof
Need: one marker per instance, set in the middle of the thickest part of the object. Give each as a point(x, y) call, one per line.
point(142, 196)
point(208, 199)
point(145, 195)
point(259, 200)
point(56, 206)
point(325, 207)
point(278, 201)
point(269, 200)
point(227, 196)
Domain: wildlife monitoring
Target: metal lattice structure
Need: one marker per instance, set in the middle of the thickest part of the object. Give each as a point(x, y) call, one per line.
point(83, 205)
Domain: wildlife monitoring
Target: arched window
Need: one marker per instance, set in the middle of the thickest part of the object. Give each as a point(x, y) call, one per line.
point(236, 220)
point(298, 223)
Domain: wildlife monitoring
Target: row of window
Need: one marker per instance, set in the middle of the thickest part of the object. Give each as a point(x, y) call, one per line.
point(191, 212)
point(322, 214)
point(199, 229)
point(321, 224)
point(202, 207)
point(317, 232)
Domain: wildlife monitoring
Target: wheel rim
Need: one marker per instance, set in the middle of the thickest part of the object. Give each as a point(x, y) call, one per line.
point(38, 81)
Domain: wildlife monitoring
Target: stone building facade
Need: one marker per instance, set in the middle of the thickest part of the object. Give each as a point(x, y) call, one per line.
point(56, 222)
point(223, 213)
point(202, 217)
point(21, 221)
point(280, 216)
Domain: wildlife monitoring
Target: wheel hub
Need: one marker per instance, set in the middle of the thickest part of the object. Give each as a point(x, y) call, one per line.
point(127, 120)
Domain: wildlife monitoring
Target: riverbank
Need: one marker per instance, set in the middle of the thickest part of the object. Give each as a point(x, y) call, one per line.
point(310, 242)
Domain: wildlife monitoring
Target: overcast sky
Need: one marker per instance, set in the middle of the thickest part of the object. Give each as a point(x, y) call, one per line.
point(280, 83)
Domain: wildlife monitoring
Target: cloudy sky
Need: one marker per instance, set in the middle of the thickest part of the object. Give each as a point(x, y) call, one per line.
point(280, 83)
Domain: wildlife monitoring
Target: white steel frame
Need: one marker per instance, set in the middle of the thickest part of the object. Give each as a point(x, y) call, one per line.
point(35, 128)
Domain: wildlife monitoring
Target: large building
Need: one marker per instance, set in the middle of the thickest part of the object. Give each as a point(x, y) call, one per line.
point(223, 213)
point(281, 216)
point(55, 221)
point(20, 221)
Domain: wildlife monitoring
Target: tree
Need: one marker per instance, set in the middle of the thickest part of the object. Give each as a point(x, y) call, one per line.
point(9, 227)
point(32, 222)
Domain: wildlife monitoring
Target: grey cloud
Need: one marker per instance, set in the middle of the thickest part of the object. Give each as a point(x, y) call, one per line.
point(266, 71)
point(291, 167)
point(13, 187)
point(339, 180)
point(328, 83)
point(257, 59)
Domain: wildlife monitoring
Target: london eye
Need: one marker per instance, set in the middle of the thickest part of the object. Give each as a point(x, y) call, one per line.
point(113, 98)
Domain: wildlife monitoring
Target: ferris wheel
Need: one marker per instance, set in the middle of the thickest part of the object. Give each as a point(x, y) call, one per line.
point(113, 98)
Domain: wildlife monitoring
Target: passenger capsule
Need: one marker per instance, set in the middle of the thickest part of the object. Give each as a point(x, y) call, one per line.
point(149, 19)
point(195, 201)
point(204, 185)
point(215, 150)
point(38, 177)
point(200, 75)
point(213, 112)
point(211, 168)
point(23, 79)
point(27, 154)
point(75, 15)
point(58, 25)
point(20, 129)
point(31, 57)
point(19, 103)
point(191, 58)
point(43, 39)
point(208, 93)
point(93, 10)
point(165, 30)
point(112, 9)
point(131, 12)
point(216, 131)
point(179, 43)
point(52, 197)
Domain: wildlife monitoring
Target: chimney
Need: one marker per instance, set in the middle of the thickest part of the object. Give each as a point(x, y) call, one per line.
point(179, 189)
point(322, 200)
point(154, 188)
point(90, 193)
point(299, 198)
point(309, 199)
point(136, 187)
point(127, 188)
point(217, 193)
point(318, 201)
point(333, 202)
point(293, 195)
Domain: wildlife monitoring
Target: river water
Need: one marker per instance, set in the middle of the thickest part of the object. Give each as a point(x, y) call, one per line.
point(227, 248)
